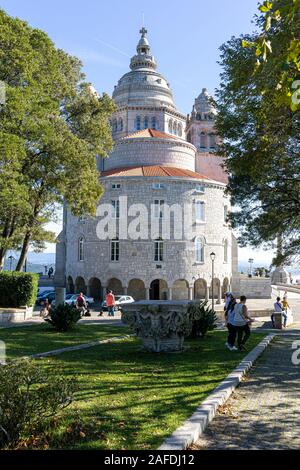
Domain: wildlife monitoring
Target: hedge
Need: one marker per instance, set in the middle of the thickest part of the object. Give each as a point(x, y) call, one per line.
point(18, 289)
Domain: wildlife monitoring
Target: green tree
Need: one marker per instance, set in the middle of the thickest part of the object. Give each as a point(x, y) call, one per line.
point(261, 133)
point(52, 126)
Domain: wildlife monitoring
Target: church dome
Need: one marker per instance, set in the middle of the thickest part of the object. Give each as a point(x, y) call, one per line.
point(143, 86)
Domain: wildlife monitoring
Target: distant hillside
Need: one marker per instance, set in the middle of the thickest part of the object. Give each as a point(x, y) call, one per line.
point(36, 262)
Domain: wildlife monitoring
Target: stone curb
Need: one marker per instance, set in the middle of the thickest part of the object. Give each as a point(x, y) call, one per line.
point(193, 427)
point(55, 352)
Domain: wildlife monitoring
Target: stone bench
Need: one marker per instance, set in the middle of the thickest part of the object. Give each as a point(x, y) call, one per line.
point(279, 319)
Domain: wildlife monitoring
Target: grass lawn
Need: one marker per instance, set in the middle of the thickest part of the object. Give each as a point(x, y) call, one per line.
point(132, 399)
point(27, 340)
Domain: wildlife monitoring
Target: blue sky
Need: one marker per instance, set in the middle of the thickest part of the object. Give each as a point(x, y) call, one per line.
point(184, 37)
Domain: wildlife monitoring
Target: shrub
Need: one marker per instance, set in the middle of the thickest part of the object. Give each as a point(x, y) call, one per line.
point(29, 398)
point(18, 289)
point(63, 317)
point(203, 319)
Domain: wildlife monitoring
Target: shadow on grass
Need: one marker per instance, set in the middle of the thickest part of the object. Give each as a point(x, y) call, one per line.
point(133, 399)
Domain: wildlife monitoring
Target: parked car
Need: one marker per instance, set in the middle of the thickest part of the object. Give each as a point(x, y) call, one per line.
point(43, 289)
point(120, 300)
point(68, 296)
point(72, 299)
point(48, 295)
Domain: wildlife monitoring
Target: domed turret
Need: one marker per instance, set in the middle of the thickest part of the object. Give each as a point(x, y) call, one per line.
point(144, 98)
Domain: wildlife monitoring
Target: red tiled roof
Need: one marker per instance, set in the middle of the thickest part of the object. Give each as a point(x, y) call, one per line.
point(211, 167)
point(149, 133)
point(155, 170)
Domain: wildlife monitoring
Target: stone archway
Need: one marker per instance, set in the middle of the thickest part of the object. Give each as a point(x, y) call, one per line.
point(180, 290)
point(95, 288)
point(200, 289)
point(217, 287)
point(115, 285)
point(158, 290)
point(80, 285)
point(70, 285)
point(136, 288)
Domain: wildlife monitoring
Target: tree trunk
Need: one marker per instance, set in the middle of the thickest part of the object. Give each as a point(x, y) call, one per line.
point(2, 258)
point(24, 251)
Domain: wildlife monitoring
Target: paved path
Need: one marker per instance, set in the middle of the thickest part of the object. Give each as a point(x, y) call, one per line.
point(264, 411)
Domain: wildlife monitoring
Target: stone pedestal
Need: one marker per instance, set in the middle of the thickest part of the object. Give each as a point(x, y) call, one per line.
point(162, 325)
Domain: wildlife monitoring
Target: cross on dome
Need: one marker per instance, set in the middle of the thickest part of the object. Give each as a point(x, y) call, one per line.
point(143, 32)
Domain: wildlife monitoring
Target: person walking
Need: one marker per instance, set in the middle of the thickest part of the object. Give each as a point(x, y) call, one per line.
point(285, 309)
point(110, 302)
point(229, 316)
point(81, 304)
point(242, 321)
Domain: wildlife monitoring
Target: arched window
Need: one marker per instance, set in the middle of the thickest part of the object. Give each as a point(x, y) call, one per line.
point(114, 125)
point(146, 122)
point(170, 126)
point(203, 140)
point(81, 249)
point(212, 141)
point(179, 129)
point(226, 251)
point(200, 211)
point(138, 123)
point(175, 128)
point(199, 250)
point(120, 124)
point(153, 123)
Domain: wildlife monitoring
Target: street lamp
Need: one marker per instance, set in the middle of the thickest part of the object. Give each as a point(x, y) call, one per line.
point(10, 261)
point(250, 261)
point(212, 257)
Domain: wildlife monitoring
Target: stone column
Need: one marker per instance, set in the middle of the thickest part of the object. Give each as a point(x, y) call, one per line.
point(125, 290)
point(207, 293)
point(170, 293)
point(219, 294)
point(60, 295)
point(147, 293)
point(104, 292)
point(191, 293)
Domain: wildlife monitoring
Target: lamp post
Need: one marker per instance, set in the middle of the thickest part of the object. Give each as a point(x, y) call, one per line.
point(10, 261)
point(250, 261)
point(212, 257)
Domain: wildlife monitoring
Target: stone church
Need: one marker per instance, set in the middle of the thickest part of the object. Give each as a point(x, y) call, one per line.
point(160, 156)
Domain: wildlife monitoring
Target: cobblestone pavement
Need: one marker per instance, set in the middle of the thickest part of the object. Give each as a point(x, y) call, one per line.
point(264, 411)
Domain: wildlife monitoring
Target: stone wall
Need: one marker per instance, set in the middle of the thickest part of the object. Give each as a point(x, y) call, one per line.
point(252, 287)
point(151, 151)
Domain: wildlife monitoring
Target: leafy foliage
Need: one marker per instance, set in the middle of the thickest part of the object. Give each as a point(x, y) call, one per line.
point(52, 126)
point(18, 289)
point(29, 397)
point(261, 132)
point(64, 317)
point(203, 319)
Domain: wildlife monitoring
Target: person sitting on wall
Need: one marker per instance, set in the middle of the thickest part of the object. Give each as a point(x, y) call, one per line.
point(277, 308)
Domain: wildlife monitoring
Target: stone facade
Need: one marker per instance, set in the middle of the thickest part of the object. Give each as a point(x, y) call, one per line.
point(183, 268)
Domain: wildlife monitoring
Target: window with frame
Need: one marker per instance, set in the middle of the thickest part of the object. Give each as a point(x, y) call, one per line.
point(158, 208)
point(116, 186)
point(225, 213)
point(153, 123)
point(138, 123)
point(115, 250)
point(146, 122)
point(158, 186)
point(115, 208)
point(199, 188)
point(203, 140)
point(180, 130)
point(226, 251)
point(170, 126)
point(120, 124)
point(159, 250)
point(199, 250)
point(200, 211)
point(81, 249)
point(212, 141)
